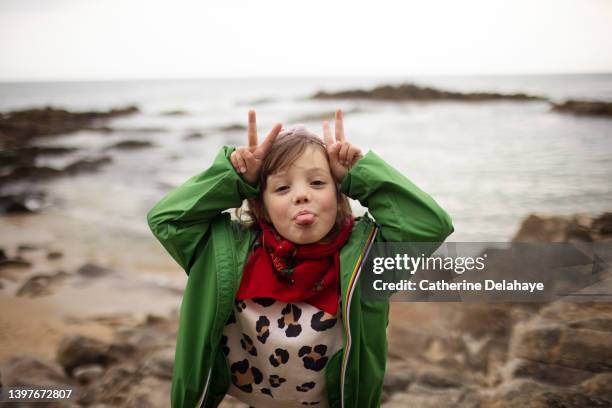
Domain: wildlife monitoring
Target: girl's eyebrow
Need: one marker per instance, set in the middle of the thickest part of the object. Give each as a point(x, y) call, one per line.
point(314, 169)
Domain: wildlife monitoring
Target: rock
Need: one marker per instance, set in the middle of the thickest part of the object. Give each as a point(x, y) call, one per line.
point(75, 351)
point(232, 127)
point(17, 127)
point(398, 376)
point(88, 373)
point(149, 392)
point(131, 145)
point(25, 202)
point(26, 248)
point(112, 389)
point(592, 108)
point(193, 136)
point(440, 379)
point(93, 271)
point(159, 364)
point(557, 345)
point(41, 285)
point(411, 92)
point(545, 373)
point(599, 386)
point(540, 228)
point(422, 397)
point(177, 112)
point(86, 165)
point(17, 262)
point(54, 255)
point(31, 371)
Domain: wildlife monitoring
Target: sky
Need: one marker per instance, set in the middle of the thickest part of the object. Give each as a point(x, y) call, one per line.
point(148, 39)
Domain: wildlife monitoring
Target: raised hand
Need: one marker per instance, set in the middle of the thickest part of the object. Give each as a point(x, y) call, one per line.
point(342, 155)
point(247, 159)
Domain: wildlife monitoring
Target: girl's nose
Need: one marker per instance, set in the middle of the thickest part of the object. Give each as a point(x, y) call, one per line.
point(301, 198)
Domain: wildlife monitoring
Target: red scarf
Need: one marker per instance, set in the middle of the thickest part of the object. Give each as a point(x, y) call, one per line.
point(288, 272)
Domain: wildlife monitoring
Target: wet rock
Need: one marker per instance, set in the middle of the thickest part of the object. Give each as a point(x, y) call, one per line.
point(51, 255)
point(112, 389)
point(88, 373)
point(599, 386)
point(398, 376)
point(131, 145)
point(423, 397)
point(41, 285)
point(232, 127)
point(193, 136)
point(177, 112)
point(29, 370)
point(159, 364)
point(17, 262)
point(17, 127)
point(75, 351)
point(591, 108)
point(440, 379)
point(93, 271)
point(149, 392)
point(86, 165)
point(412, 92)
point(541, 228)
point(25, 202)
point(26, 248)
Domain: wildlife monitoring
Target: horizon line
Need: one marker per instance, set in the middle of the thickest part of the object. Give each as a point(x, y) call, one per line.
point(239, 77)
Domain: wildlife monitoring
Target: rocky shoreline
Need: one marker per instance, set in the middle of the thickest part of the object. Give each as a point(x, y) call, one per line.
point(414, 93)
point(440, 354)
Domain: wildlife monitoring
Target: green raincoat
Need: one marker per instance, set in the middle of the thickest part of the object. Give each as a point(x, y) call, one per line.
point(191, 224)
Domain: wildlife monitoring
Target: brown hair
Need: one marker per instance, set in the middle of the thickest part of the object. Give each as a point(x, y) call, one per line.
point(288, 146)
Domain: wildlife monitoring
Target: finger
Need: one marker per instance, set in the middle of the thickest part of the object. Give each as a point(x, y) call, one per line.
point(250, 160)
point(234, 161)
point(269, 140)
point(240, 160)
point(327, 136)
point(339, 126)
point(252, 130)
point(343, 155)
point(332, 151)
point(353, 155)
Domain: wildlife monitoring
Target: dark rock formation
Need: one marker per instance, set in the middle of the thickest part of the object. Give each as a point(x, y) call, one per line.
point(18, 127)
point(592, 108)
point(93, 271)
point(28, 201)
point(411, 92)
point(540, 228)
point(131, 145)
point(41, 285)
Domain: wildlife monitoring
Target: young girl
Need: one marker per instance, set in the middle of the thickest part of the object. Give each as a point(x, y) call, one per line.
point(272, 312)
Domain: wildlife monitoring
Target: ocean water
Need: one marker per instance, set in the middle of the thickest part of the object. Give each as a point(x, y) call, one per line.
point(489, 164)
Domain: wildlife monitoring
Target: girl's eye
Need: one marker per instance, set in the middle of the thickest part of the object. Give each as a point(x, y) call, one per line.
point(318, 183)
point(280, 189)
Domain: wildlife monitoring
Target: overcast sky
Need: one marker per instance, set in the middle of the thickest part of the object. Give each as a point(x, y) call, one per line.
point(131, 39)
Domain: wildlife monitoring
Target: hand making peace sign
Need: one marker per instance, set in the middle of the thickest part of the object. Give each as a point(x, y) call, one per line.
point(247, 159)
point(342, 155)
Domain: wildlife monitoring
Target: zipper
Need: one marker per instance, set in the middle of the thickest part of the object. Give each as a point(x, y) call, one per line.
point(203, 396)
point(202, 400)
point(347, 308)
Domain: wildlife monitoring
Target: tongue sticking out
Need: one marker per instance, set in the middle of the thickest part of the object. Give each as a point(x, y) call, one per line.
point(304, 219)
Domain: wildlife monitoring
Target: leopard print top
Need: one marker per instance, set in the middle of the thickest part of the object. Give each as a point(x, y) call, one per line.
point(277, 352)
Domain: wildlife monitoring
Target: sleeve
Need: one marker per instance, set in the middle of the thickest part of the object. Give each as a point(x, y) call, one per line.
point(404, 212)
point(182, 218)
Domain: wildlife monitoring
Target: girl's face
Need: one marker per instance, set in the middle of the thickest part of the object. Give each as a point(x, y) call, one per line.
point(301, 199)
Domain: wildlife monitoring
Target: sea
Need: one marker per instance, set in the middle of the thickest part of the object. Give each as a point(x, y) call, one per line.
point(488, 164)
